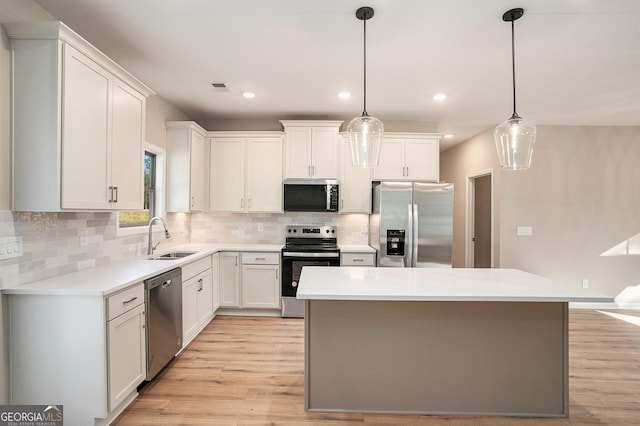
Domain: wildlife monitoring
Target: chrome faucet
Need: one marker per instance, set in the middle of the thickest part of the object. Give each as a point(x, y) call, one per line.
point(152, 247)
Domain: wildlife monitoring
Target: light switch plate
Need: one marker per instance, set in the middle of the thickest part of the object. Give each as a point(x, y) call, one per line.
point(10, 247)
point(524, 231)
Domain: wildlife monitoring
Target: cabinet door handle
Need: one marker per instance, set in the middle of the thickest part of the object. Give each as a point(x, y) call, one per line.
point(407, 171)
point(242, 203)
point(201, 286)
point(309, 171)
point(276, 274)
point(110, 189)
point(130, 300)
point(249, 202)
point(193, 202)
point(236, 260)
point(115, 189)
point(313, 170)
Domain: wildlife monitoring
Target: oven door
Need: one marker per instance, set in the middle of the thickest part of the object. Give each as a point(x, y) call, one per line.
point(292, 264)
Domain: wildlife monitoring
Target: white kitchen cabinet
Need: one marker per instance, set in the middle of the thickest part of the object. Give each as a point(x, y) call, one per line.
point(127, 360)
point(409, 157)
point(229, 279)
point(215, 282)
point(86, 352)
point(246, 172)
point(187, 167)
point(311, 149)
point(357, 259)
point(197, 298)
point(261, 280)
point(355, 183)
point(86, 153)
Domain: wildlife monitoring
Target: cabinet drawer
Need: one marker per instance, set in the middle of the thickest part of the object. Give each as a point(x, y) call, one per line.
point(357, 259)
point(194, 268)
point(124, 301)
point(260, 258)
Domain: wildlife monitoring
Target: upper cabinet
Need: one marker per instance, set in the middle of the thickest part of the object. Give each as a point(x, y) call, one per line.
point(187, 167)
point(246, 172)
point(78, 124)
point(355, 183)
point(311, 149)
point(409, 156)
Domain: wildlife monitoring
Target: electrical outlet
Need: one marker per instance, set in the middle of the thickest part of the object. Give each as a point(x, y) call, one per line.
point(585, 283)
point(84, 237)
point(261, 227)
point(364, 228)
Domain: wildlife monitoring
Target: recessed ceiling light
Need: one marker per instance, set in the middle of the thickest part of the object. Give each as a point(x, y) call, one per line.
point(249, 95)
point(344, 95)
point(448, 135)
point(440, 97)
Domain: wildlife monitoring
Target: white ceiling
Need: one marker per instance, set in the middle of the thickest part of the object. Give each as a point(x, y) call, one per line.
point(577, 61)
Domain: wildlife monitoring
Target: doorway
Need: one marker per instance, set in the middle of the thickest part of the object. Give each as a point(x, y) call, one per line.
point(479, 233)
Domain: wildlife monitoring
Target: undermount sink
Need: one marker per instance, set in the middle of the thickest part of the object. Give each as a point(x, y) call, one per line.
point(173, 255)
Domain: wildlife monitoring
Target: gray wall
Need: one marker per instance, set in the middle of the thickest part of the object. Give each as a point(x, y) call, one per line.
point(581, 197)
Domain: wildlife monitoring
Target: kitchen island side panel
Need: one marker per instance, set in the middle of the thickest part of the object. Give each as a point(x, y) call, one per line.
point(495, 358)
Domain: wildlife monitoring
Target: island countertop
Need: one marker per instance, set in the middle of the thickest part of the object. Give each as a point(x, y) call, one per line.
point(437, 284)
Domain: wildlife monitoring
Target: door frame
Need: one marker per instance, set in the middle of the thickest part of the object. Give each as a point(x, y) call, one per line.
point(470, 217)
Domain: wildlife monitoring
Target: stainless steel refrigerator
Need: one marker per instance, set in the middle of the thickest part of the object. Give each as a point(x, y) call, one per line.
point(412, 224)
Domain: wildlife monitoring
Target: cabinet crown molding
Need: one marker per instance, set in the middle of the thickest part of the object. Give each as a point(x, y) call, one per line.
point(191, 125)
point(57, 30)
point(310, 123)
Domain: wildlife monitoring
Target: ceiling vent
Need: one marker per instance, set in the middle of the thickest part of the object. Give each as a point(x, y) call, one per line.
point(220, 87)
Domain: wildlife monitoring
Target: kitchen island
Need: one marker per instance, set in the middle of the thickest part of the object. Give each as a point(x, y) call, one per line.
point(437, 341)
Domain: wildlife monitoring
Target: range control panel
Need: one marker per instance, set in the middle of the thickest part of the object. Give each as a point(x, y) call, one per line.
point(306, 231)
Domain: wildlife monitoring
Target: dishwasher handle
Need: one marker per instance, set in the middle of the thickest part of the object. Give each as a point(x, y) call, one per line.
point(165, 280)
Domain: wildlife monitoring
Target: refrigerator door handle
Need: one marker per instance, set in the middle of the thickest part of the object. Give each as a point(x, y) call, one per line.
point(414, 239)
point(408, 259)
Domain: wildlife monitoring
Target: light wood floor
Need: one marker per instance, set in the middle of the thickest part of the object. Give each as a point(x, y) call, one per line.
point(249, 371)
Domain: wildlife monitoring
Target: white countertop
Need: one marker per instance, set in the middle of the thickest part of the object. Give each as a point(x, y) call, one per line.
point(108, 279)
point(356, 248)
point(436, 284)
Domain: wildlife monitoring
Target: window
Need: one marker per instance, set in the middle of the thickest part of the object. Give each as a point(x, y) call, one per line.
point(132, 222)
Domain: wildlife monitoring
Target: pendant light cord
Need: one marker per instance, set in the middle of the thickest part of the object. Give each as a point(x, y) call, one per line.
point(364, 110)
point(513, 68)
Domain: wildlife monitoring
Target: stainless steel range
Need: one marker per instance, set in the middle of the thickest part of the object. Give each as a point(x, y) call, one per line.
point(305, 246)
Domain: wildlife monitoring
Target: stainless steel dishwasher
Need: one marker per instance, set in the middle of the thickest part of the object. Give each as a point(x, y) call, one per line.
point(163, 294)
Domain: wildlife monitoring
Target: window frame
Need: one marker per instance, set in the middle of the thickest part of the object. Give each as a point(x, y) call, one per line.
point(160, 185)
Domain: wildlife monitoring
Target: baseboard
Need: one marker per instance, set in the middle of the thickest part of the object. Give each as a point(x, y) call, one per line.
point(117, 411)
point(612, 305)
point(250, 312)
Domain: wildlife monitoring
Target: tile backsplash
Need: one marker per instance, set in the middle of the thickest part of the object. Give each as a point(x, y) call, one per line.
point(245, 228)
point(51, 241)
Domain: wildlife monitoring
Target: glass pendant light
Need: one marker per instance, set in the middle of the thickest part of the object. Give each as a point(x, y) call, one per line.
point(365, 132)
point(515, 137)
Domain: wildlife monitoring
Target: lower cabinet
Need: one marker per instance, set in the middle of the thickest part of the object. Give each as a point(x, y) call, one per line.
point(127, 354)
point(83, 351)
point(261, 280)
point(357, 259)
point(197, 298)
point(250, 280)
point(229, 279)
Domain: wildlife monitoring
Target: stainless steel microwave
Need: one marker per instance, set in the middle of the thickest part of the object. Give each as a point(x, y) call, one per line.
point(311, 195)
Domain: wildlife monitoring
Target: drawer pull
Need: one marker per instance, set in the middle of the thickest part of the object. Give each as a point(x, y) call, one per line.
point(130, 300)
point(261, 258)
point(358, 260)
